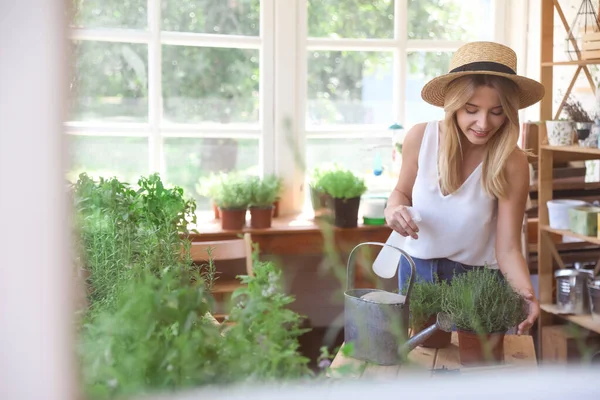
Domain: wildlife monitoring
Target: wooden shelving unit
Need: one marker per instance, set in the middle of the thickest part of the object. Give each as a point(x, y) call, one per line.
point(547, 251)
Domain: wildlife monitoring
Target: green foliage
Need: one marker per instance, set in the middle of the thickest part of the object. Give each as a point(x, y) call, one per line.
point(482, 301)
point(341, 183)
point(263, 342)
point(426, 300)
point(264, 191)
point(233, 191)
point(118, 226)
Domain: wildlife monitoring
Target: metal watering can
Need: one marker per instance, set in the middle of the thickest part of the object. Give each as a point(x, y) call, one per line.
point(376, 322)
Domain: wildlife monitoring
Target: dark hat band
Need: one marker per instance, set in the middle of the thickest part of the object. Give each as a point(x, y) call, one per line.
point(484, 66)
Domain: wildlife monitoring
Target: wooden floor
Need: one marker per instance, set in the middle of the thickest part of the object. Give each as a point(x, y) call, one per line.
point(518, 352)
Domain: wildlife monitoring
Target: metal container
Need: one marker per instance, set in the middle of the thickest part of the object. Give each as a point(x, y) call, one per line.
point(572, 291)
point(376, 321)
point(594, 292)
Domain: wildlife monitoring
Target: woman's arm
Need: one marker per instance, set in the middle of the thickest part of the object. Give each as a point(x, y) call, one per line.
point(396, 215)
point(509, 254)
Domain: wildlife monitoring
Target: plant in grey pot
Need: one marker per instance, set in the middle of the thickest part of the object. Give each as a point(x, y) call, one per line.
point(345, 189)
point(483, 306)
point(263, 193)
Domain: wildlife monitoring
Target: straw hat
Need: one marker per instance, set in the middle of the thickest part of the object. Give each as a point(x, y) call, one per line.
point(486, 58)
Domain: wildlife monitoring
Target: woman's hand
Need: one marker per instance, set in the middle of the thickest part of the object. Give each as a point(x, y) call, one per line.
point(533, 312)
point(398, 218)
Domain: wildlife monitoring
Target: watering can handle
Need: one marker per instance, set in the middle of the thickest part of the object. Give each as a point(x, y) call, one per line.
point(350, 272)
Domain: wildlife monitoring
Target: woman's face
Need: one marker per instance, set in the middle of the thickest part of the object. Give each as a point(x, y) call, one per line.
point(482, 116)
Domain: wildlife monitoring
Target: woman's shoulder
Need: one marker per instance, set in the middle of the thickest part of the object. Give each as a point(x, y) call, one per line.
point(517, 162)
point(414, 136)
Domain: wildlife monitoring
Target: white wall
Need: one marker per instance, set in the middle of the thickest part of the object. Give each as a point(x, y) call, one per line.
point(35, 313)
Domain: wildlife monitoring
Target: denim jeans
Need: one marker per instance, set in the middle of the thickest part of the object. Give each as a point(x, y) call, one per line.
point(426, 269)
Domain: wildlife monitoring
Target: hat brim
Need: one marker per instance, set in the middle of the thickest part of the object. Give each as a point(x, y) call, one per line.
point(530, 91)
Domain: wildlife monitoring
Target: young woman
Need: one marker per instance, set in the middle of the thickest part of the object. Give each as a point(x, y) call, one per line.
point(466, 176)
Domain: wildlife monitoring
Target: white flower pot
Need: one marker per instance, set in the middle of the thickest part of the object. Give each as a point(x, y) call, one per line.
point(560, 133)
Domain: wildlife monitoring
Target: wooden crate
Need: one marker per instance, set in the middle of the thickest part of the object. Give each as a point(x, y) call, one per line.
point(565, 344)
point(590, 46)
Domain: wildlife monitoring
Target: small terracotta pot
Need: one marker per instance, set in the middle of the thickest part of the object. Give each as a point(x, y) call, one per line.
point(216, 211)
point(260, 217)
point(232, 219)
point(471, 348)
point(276, 209)
point(346, 212)
point(438, 340)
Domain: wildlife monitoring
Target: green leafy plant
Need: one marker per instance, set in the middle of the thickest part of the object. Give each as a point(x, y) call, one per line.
point(233, 192)
point(342, 183)
point(264, 191)
point(482, 301)
point(426, 300)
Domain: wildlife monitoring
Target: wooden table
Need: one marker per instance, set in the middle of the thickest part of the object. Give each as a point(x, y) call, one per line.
point(518, 352)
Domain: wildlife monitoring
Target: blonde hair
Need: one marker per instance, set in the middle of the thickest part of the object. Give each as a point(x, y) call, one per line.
point(498, 148)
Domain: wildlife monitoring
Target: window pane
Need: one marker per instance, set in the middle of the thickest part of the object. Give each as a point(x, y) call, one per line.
point(450, 19)
point(349, 87)
point(110, 82)
point(123, 157)
point(423, 66)
point(351, 19)
point(239, 17)
point(203, 84)
point(129, 14)
point(361, 156)
point(187, 160)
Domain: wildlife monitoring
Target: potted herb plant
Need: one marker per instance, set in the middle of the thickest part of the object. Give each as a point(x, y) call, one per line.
point(345, 189)
point(233, 198)
point(483, 306)
point(263, 193)
point(425, 303)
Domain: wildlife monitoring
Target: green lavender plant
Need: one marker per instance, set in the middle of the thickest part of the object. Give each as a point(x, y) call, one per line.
point(482, 301)
point(426, 300)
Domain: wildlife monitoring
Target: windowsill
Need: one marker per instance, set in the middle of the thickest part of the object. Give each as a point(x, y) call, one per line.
point(302, 222)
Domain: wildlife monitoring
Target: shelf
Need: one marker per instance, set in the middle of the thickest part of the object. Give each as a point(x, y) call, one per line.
point(585, 321)
point(569, 186)
point(572, 153)
point(566, 232)
point(575, 62)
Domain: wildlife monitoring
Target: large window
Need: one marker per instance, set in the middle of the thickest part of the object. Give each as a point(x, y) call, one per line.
point(170, 86)
point(191, 87)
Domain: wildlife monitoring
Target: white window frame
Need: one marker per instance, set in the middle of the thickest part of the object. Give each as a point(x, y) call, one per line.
point(156, 129)
point(283, 44)
point(293, 33)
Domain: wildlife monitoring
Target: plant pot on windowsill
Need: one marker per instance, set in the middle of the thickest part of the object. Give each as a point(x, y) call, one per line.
point(261, 217)
point(232, 218)
point(345, 212)
point(276, 209)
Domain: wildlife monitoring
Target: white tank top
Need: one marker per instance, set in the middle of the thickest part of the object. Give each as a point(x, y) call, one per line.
point(460, 226)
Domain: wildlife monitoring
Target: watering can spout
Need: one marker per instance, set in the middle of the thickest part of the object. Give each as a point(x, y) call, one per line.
point(443, 322)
